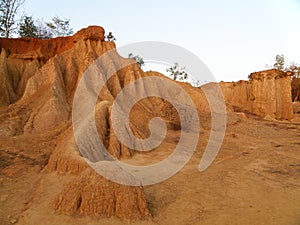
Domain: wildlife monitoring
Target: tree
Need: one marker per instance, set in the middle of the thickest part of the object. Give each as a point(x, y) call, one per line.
point(60, 27)
point(43, 30)
point(139, 60)
point(27, 28)
point(279, 64)
point(110, 37)
point(177, 72)
point(8, 12)
point(295, 69)
point(196, 83)
point(295, 80)
point(35, 29)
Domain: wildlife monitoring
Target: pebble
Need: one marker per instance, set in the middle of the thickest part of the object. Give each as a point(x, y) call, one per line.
point(13, 221)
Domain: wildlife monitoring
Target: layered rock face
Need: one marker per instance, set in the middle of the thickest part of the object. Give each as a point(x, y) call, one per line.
point(267, 93)
point(38, 81)
point(92, 195)
point(21, 58)
point(296, 88)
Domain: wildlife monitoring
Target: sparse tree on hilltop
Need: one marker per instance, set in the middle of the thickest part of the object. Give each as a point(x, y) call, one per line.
point(27, 28)
point(43, 30)
point(295, 81)
point(295, 69)
point(279, 64)
point(60, 27)
point(35, 29)
point(8, 12)
point(139, 60)
point(177, 72)
point(196, 83)
point(110, 37)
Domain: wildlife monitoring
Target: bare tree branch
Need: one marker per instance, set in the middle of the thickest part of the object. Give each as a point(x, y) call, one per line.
point(8, 12)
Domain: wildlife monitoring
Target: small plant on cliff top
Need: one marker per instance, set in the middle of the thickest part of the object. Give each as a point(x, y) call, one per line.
point(295, 80)
point(139, 60)
point(110, 37)
point(279, 64)
point(295, 69)
point(177, 72)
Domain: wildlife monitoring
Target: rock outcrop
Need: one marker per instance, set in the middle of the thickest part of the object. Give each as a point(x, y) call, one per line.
point(92, 195)
point(39, 78)
point(21, 58)
point(266, 93)
point(7, 94)
point(44, 49)
point(296, 88)
point(44, 89)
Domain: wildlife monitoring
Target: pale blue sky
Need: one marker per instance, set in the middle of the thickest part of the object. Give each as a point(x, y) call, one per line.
point(233, 37)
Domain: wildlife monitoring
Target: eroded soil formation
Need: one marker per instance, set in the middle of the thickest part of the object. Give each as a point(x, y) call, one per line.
point(255, 178)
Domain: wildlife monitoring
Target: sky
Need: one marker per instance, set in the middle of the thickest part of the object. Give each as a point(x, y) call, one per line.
point(233, 38)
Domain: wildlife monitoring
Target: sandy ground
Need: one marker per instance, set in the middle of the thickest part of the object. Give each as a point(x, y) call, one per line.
point(255, 179)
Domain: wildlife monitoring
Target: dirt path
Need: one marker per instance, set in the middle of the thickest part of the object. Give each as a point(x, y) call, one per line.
point(255, 179)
